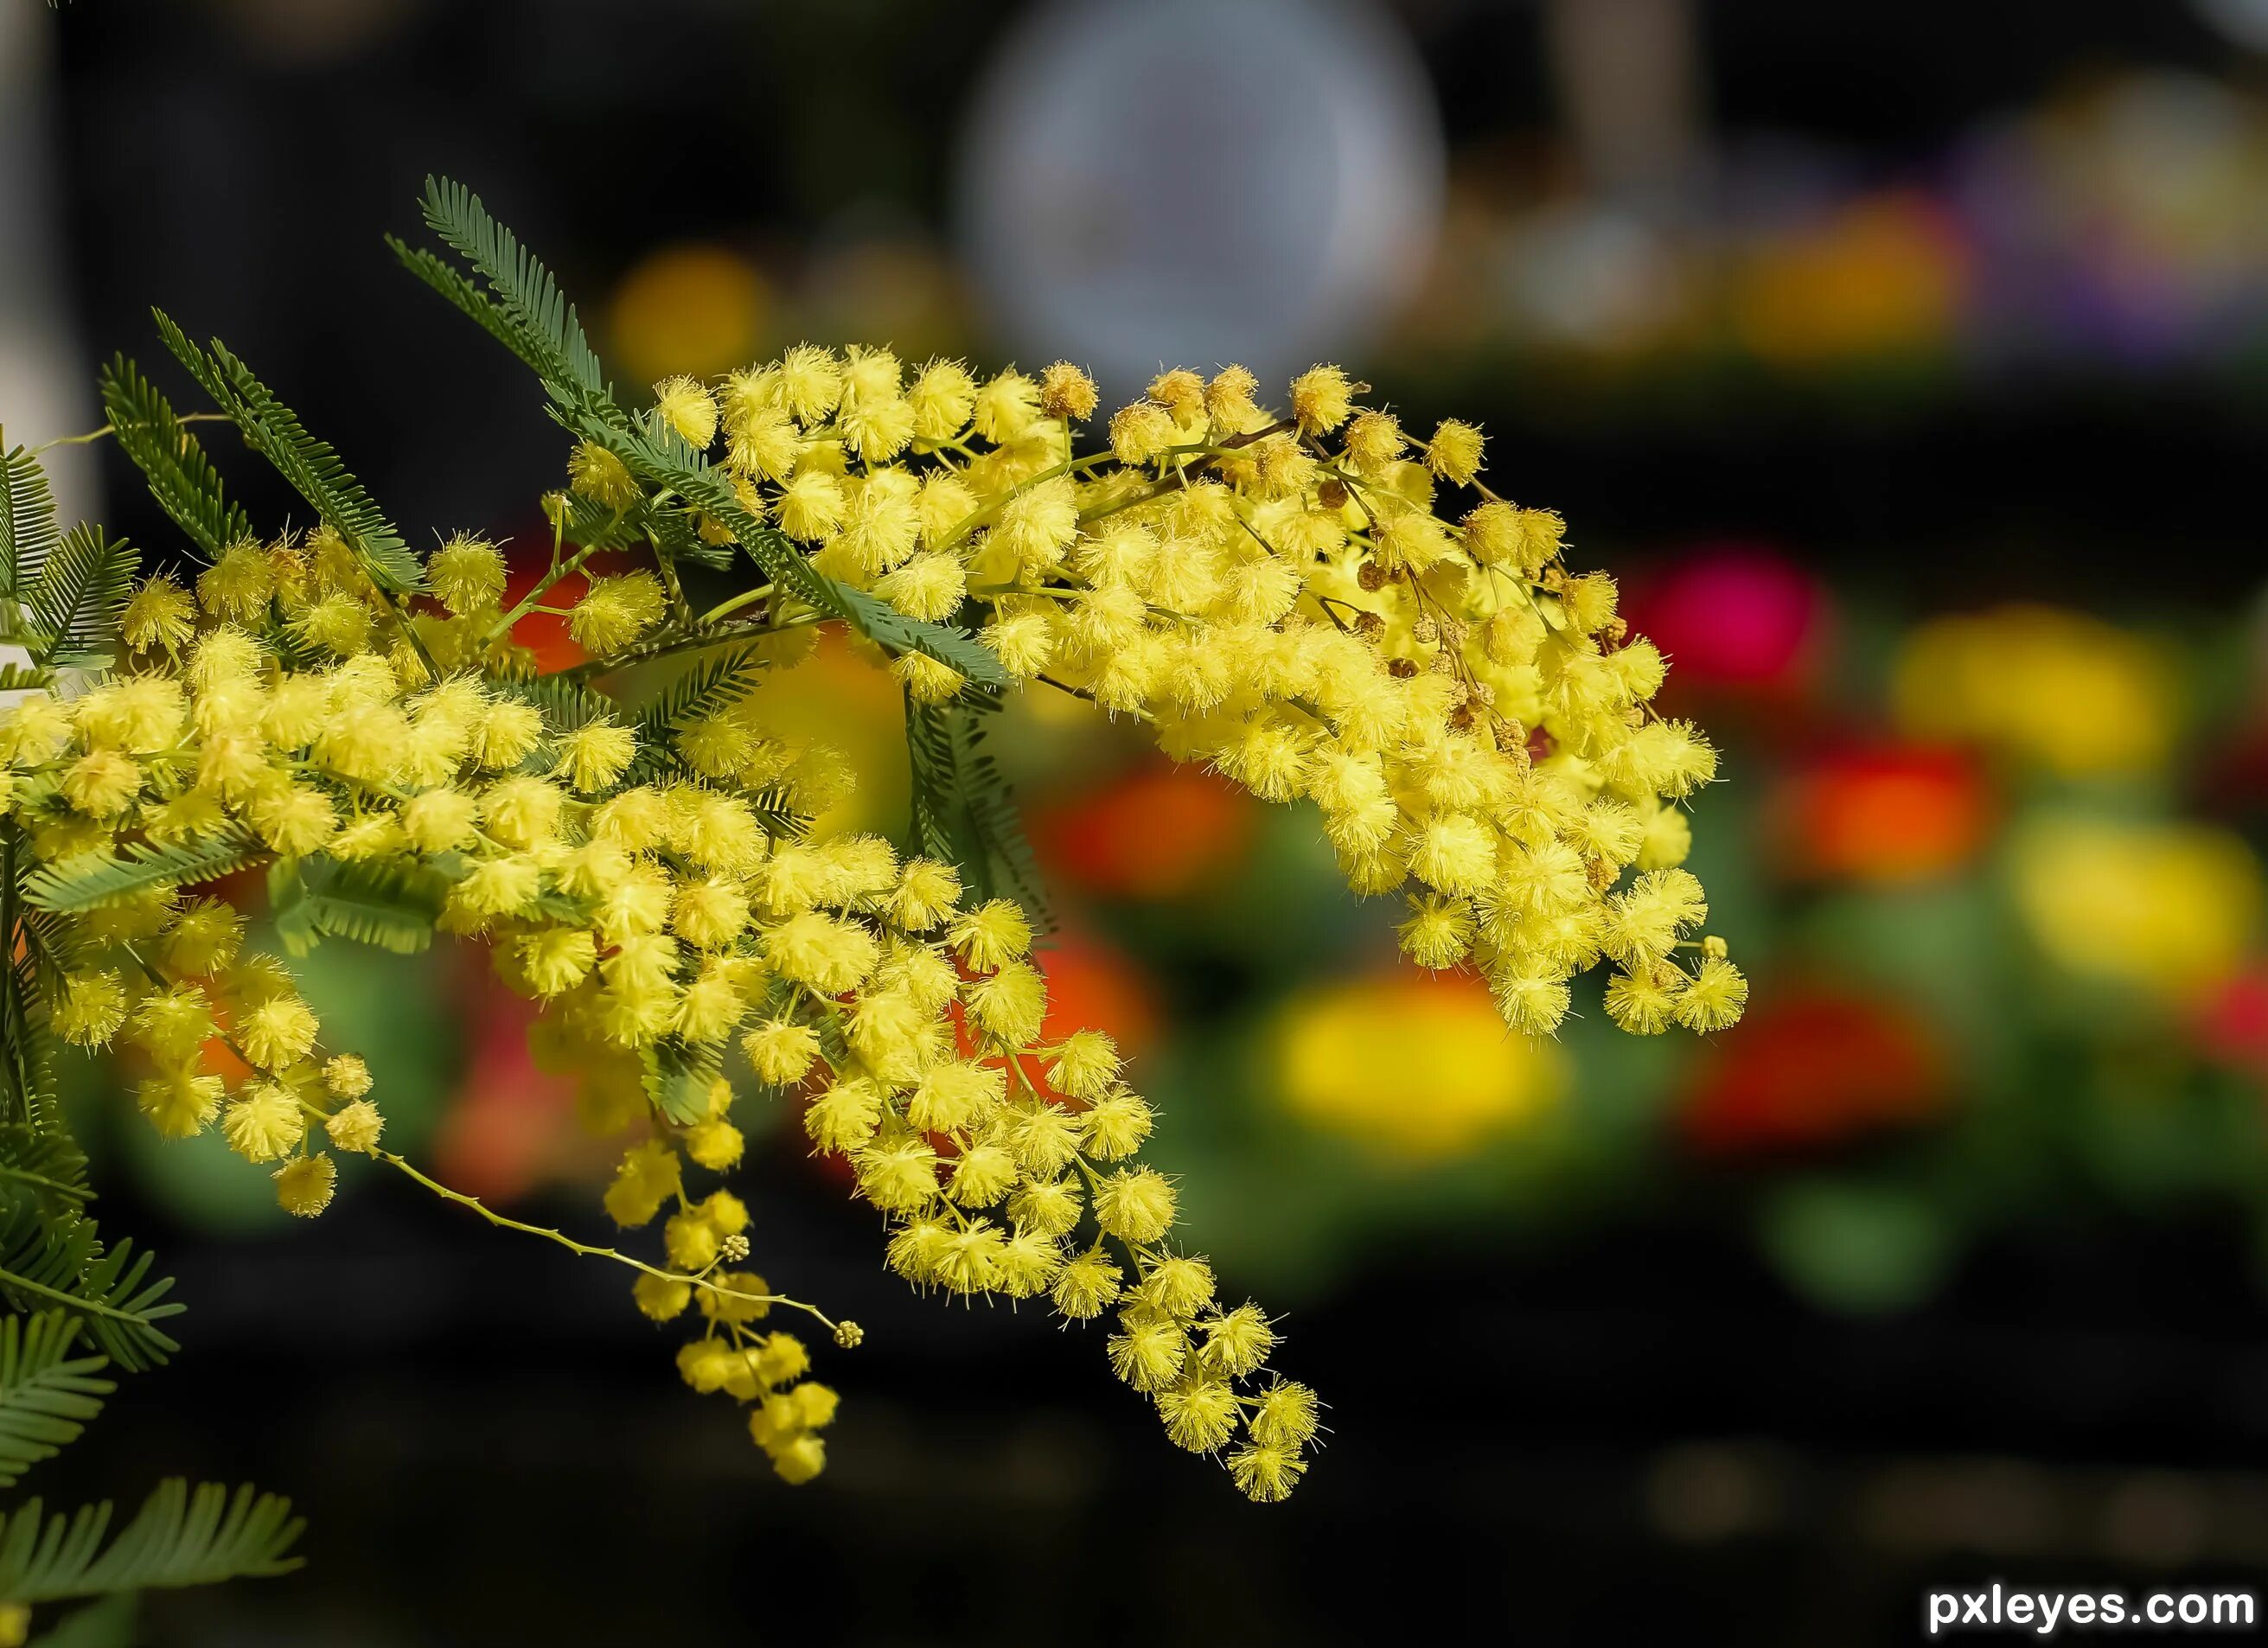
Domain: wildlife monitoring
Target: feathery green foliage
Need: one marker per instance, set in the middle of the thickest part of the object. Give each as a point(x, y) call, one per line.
point(74, 604)
point(40, 1160)
point(520, 304)
point(78, 1305)
point(664, 460)
point(107, 1622)
point(182, 1536)
point(28, 532)
point(47, 1394)
point(47, 1262)
point(25, 1045)
point(715, 684)
point(182, 480)
point(565, 704)
point(531, 316)
point(99, 878)
point(963, 809)
point(389, 907)
point(311, 466)
point(678, 1074)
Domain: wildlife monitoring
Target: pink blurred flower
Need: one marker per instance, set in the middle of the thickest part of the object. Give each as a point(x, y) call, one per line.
point(1735, 617)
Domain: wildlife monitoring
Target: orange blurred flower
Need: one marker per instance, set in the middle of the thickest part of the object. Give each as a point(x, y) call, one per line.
point(696, 309)
point(1093, 986)
point(1884, 276)
point(1883, 813)
point(1158, 832)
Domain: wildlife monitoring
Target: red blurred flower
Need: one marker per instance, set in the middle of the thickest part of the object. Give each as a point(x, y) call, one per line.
point(1158, 832)
point(1732, 616)
point(2232, 1024)
point(1090, 986)
point(511, 1125)
point(1809, 1069)
point(1883, 813)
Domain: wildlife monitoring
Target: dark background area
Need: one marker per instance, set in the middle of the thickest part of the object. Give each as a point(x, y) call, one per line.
point(1628, 1431)
point(242, 188)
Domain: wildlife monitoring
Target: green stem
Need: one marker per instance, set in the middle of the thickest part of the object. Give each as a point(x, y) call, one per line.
point(596, 667)
point(93, 436)
point(724, 607)
point(587, 1250)
point(38, 1181)
point(530, 601)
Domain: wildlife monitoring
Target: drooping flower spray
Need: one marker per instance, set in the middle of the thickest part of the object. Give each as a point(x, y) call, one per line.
point(1304, 596)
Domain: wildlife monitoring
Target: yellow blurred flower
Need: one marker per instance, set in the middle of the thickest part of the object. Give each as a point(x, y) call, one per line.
point(1420, 1068)
point(834, 708)
point(698, 309)
point(2171, 907)
point(1882, 277)
point(2058, 689)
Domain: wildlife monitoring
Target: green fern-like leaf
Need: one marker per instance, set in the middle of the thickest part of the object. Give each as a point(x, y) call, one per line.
point(75, 603)
point(593, 527)
point(964, 811)
point(826, 1023)
point(445, 278)
point(181, 477)
point(311, 466)
point(679, 1075)
point(42, 1160)
point(717, 683)
point(107, 1622)
point(524, 309)
point(565, 702)
point(182, 1536)
point(531, 315)
point(776, 810)
point(523, 306)
point(662, 460)
point(47, 1394)
point(47, 1262)
point(29, 531)
point(941, 812)
point(25, 1047)
point(531, 318)
point(389, 907)
point(98, 879)
point(1014, 869)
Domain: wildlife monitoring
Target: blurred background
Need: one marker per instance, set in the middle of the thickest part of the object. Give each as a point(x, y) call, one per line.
point(1910, 362)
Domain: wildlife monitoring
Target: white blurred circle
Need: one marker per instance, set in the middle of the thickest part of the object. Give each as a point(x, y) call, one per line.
point(2243, 21)
point(1192, 182)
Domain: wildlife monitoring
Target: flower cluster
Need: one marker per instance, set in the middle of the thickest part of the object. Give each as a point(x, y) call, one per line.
point(1275, 596)
point(171, 759)
point(1005, 1165)
point(1281, 597)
